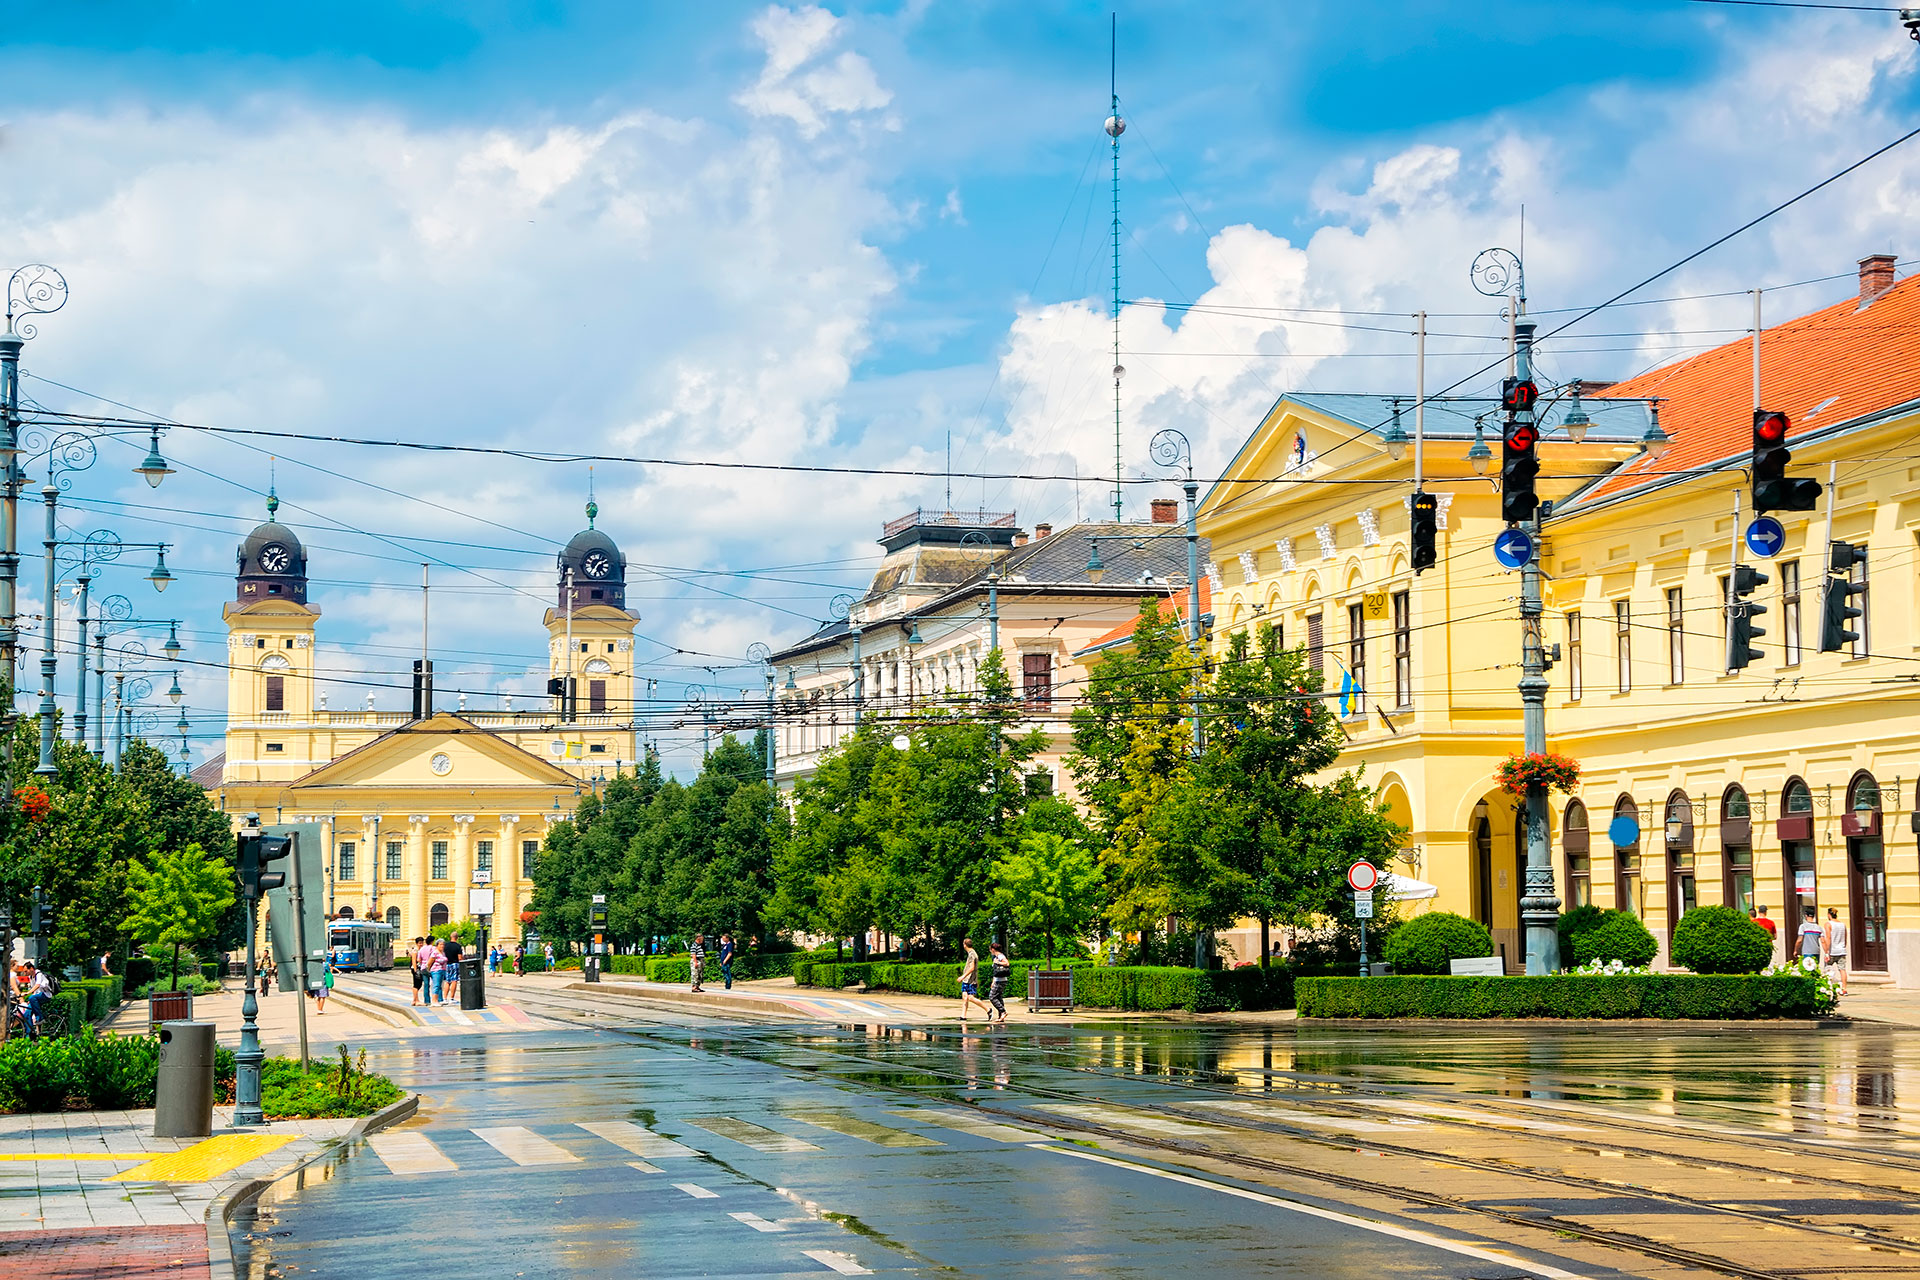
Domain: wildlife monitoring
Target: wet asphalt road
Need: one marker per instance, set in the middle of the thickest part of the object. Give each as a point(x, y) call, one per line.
point(779, 1174)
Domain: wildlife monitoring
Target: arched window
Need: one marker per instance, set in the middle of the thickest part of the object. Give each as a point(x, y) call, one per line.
point(437, 916)
point(393, 916)
point(1626, 859)
point(346, 913)
point(1797, 873)
point(1866, 874)
point(1483, 864)
point(1576, 844)
point(1736, 849)
point(1682, 895)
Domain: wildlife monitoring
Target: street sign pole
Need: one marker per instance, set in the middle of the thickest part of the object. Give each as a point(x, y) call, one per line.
point(1361, 878)
point(1539, 906)
point(299, 946)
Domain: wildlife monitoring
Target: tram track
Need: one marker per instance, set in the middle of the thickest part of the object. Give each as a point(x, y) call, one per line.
point(771, 1052)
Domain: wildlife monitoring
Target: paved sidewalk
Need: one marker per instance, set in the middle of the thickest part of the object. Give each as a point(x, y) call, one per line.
point(277, 1020)
point(395, 999)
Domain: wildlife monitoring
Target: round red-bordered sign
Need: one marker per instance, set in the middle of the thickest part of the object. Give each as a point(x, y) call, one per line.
point(1363, 876)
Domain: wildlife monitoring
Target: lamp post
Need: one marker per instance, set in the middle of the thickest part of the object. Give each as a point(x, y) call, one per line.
point(31, 290)
point(760, 653)
point(82, 557)
point(1171, 448)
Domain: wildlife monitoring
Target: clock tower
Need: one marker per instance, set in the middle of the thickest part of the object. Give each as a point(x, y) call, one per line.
point(590, 630)
point(270, 633)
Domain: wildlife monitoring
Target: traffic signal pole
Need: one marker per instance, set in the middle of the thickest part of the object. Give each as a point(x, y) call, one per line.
point(1539, 906)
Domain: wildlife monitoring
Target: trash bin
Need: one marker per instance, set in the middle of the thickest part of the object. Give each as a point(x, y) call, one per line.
point(183, 1093)
point(473, 983)
point(592, 966)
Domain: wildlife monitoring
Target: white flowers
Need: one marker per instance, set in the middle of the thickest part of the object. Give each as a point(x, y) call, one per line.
point(1609, 968)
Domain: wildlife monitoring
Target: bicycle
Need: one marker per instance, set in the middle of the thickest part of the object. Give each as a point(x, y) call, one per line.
point(50, 1025)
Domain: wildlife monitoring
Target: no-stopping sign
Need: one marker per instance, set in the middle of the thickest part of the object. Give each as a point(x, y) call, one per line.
point(1362, 876)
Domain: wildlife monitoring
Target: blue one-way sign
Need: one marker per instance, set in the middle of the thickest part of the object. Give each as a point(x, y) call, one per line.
point(1513, 548)
point(1765, 536)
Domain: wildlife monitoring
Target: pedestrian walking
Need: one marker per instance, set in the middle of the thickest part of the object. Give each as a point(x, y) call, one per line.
point(419, 969)
point(697, 958)
point(1760, 918)
point(450, 948)
point(1833, 946)
point(322, 986)
point(266, 976)
point(970, 983)
point(519, 959)
point(726, 959)
point(1810, 941)
point(997, 987)
point(549, 957)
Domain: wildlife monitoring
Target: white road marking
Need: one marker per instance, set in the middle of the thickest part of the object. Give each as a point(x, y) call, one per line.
point(697, 1191)
point(971, 1123)
point(523, 1146)
point(1314, 1211)
point(1307, 1119)
point(1491, 1118)
point(843, 1263)
point(409, 1153)
point(629, 1136)
point(643, 1166)
point(757, 1222)
point(747, 1134)
point(1120, 1118)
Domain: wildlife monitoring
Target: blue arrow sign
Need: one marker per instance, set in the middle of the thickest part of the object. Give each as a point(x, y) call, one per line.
point(1513, 548)
point(1765, 536)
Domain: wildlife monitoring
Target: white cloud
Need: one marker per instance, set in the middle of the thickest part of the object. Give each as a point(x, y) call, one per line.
point(798, 38)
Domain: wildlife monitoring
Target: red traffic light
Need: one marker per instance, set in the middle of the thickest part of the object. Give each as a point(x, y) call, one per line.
point(1518, 395)
point(1520, 436)
point(1769, 428)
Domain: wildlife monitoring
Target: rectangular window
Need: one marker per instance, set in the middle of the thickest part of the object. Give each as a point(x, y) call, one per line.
point(395, 852)
point(598, 748)
point(276, 746)
point(276, 693)
point(1858, 577)
point(1623, 645)
point(483, 856)
point(1357, 655)
point(1790, 612)
point(439, 854)
point(1036, 678)
point(1676, 638)
point(1579, 880)
point(529, 854)
point(1040, 783)
point(345, 869)
point(1402, 650)
point(1739, 872)
point(1316, 643)
point(1575, 686)
point(597, 697)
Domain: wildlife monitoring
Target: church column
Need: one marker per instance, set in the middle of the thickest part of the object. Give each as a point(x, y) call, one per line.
point(370, 855)
point(506, 878)
point(462, 868)
point(415, 925)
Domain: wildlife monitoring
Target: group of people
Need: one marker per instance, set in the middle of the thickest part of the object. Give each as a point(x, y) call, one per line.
point(998, 971)
point(436, 971)
point(1822, 944)
point(36, 993)
point(697, 959)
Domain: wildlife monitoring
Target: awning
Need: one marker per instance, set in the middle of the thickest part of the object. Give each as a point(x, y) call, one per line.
point(1407, 889)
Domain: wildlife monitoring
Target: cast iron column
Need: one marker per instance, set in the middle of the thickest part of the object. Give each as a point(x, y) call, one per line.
point(1539, 905)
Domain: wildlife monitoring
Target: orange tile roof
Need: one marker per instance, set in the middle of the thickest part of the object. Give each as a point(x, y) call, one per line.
point(1124, 631)
point(1829, 367)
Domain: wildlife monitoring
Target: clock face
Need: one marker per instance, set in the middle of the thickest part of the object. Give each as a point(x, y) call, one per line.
point(598, 564)
point(275, 558)
point(442, 763)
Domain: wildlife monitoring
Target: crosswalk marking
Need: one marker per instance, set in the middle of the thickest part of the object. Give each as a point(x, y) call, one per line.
point(629, 1136)
point(840, 1262)
point(865, 1130)
point(757, 1222)
point(1137, 1121)
point(1307, 1119)
point(523, 1146)
point(697, 1191)
point(408, 1153)
point(756, 1136)
point(971, 1124)
point(644, 1167)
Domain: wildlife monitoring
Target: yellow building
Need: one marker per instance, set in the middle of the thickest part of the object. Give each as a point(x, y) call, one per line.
point(416, 809)
point(1778, 784)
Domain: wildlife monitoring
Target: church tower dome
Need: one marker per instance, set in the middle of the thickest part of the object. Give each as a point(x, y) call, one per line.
point(592, 569)
point(273, 564)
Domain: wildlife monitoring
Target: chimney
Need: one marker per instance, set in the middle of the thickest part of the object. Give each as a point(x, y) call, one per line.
point(1041, 530)
point(1166, 511)
point(1876, 275)
point(1019, 539)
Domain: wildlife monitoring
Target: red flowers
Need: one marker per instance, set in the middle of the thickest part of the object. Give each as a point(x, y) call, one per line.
point(34, 804)
point(1550, 769)
point(528, 917)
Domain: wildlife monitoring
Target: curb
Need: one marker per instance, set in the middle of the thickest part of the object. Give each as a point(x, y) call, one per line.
point(1589, 1024)
point(679, 999)
point(220, 1264)
point(378, 1010)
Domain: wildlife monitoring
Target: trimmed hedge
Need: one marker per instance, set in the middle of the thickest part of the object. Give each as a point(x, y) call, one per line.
point(1615, 935)
point(1720, 940)
point(1564, 995)
point(103, 995)
point(1428, 943)
point(139, 970)
point(1095, 986)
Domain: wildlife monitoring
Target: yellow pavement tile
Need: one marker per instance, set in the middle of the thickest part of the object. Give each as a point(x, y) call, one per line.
point(206, 1160)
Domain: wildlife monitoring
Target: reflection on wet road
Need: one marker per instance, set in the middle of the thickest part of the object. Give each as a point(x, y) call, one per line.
point(670, 1146)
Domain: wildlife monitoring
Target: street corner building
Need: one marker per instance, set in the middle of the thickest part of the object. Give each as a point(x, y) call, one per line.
point(1788, 781)
point(415, 809)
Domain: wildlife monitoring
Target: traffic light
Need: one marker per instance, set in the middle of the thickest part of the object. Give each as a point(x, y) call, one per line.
point(1772, 491)
point(1835, 610)
point(1741, 632)
point(1426, 524)
point(1518, 467)
point(1517, 395)
point(256, 852)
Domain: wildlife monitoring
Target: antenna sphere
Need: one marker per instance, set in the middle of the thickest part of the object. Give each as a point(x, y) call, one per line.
point(1115, 126)
point(1119, 372)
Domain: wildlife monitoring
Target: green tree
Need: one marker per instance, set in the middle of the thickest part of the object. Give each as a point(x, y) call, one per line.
point(1146, 860)
point(1051, 886)
point(179, 901)
point(1128, 688)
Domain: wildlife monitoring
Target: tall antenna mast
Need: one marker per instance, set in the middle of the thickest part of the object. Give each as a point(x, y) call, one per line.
point(1115, 127)
point(949, 470)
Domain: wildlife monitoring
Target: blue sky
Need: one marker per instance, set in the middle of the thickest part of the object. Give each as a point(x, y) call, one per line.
point(799, 235)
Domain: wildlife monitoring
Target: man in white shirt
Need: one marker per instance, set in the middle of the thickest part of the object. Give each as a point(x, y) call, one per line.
point(39, 996)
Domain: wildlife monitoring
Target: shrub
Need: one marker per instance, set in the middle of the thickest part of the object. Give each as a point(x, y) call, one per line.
point(210, 970)
point(101, 996)
point(1616, 935)
point(1578, 920)
point(330, 1088)
point(1720, 940)
point(199, 986)
point(1566, 995)
point(1427, 942)
point(100, 1072)
point(139, 971)
point(669, 969)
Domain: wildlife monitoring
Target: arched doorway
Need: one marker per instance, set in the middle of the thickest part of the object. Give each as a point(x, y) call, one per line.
point(437, 916)
point(1496, 851)
point(1866, 875)
point(1736, 850)
point(1577, 849)
point(346, 913)
point(1682, 894)
point(1482, 833)
point(1800, 887)
point(1626, 859)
